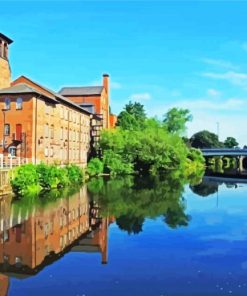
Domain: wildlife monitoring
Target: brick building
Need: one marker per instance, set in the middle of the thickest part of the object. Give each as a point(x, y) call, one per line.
point(38, 124)
point(96, 96)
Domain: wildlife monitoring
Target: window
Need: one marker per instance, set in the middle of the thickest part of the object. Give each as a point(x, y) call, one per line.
point(51, 151)
point(18, 260)
point(66, 114)
point(7, 104)
point(46, 130)
point(47, 108)
point(46, 151)
point(12, 151)
point(52, 132)
point(19, 102)
point(61, 133)
point(7, 129)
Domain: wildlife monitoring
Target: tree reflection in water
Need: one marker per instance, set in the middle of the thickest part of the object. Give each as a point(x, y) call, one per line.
point(133, 199)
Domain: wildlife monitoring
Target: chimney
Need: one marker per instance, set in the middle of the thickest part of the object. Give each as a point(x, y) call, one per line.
point(106, 82)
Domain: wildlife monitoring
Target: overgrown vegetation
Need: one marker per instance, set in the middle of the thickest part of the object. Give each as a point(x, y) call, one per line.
point(147, 145)
point(34, 178)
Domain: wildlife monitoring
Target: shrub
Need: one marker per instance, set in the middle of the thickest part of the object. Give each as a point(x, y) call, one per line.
point(114, 164)
point(95, 167)
point(25, 178)
point(74, 173)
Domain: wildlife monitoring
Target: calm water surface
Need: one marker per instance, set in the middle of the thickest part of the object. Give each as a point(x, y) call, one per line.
point(178, 240)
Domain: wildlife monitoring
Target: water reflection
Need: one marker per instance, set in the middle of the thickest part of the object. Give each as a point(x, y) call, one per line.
point(189, 239)
point(132, 200)
point(34, 232)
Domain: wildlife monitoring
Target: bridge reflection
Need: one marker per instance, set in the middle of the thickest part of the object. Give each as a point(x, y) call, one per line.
point(33, 237)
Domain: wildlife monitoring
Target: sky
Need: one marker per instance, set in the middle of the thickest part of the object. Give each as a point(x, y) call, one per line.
point(164, 54)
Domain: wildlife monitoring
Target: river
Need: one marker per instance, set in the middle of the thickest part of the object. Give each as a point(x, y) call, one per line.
point(145, 237)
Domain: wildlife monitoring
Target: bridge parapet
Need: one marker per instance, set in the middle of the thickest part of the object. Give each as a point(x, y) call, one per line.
point(224, 152)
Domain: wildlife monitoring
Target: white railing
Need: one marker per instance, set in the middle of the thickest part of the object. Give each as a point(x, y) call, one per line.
point(9, 162)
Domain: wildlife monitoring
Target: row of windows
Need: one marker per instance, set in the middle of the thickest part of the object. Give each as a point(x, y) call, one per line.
point(74, 154)
point(74, 117)
point(73, 215)
point(73, 135)
point(72, 234)
point(19, 103)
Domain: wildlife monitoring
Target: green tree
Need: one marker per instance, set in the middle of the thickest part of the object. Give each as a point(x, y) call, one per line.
point(132, 117)
point(230, 142)
point(205, 139)
point(175, 120)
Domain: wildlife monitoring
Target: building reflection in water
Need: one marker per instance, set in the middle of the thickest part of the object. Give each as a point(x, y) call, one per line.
point(31, 240)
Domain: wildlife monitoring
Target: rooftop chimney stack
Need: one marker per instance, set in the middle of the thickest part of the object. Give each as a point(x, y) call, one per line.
point(106, 82)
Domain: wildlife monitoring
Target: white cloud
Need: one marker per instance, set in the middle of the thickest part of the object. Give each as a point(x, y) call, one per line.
point(232, 77)
point(208, 111)
point(204, 104)
point(220, 63)
point(213, 92)
point(140, 97)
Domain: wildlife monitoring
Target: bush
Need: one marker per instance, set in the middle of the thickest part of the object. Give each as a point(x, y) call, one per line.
point(114, 164)
point(74, 174)
point(29, 177)
point(95, 167)
point(25, 178)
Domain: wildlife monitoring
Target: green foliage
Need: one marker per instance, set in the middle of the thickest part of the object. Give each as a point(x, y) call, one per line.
point(25, 178)
point(151, 149)
point(133, 199)
point(95, 167)
point(205, 139)
point(32, 178)
point(175, 120)
point(230, 142)
point(132, 117)
point(48, 175)
point(74, 173)
point(115, 165)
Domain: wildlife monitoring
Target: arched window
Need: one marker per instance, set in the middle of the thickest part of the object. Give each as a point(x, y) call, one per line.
point(7, 104)
point(19, 103)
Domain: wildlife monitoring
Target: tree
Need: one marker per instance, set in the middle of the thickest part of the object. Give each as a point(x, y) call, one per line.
point(205, 139)
point(132, 117)
point(175, 120)
point(230, 142)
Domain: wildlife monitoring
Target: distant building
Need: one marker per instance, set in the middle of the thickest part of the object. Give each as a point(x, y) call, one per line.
point(98, 96)
point(113, 120)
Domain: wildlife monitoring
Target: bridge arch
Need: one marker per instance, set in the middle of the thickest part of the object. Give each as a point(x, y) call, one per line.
point(244, 162)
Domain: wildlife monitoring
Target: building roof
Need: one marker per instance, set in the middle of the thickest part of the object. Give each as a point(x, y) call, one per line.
point(81, 91)
point(23, 88)
point(6, 38)
point(56, 96)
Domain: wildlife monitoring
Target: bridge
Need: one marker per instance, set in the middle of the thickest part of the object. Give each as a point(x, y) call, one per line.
point(239, 154)
point(224, 152)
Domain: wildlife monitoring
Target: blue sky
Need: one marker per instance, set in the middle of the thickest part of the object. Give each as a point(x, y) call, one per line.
point(189, 54)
